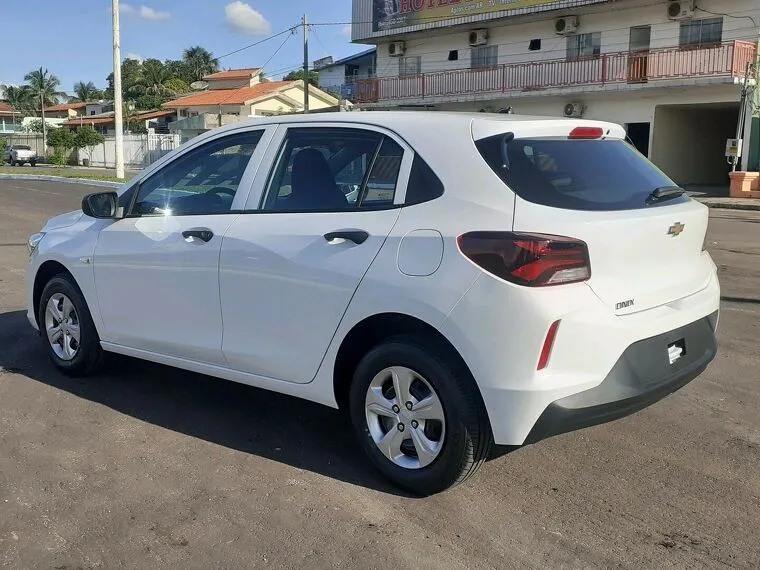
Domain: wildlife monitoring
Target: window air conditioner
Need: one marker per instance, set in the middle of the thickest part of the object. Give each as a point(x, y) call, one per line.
point(574, 109)
point(680, 9)
point(396, 49)
point(478, 38)
point(567, 25)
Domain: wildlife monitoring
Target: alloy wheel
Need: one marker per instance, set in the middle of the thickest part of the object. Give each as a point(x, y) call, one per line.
point(62, 326)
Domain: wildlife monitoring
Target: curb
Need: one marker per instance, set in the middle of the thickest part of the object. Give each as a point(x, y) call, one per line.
point(731, 205)
point(46, 178)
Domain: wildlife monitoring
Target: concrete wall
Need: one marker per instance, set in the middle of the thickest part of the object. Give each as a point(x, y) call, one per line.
point(233, 83)
point(513, 35)
point(689, 144)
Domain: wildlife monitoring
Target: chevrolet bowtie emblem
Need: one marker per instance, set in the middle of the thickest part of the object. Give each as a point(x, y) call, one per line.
point(676, 229)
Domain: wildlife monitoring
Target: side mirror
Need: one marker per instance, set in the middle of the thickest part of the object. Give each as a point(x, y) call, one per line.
point(103, 205)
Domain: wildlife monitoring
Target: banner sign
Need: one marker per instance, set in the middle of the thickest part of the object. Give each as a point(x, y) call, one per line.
point(391, 14)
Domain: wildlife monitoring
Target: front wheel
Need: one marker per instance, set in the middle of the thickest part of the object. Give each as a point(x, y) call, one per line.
point(33, 163)
point(418, 416)
point(66, 326)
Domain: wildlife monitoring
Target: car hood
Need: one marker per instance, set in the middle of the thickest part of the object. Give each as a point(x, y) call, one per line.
point(63, 221)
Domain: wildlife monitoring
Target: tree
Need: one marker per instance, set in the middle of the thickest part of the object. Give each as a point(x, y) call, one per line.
point(33, 126)
point(176, 86)
point(88, 138)
point(20, 98)
point(131, 73)
point(199, 62)
point(148, 102)
point(62, 140)
point(298, 75)
point(85, 92)
point(44, 87)
point(154, 75)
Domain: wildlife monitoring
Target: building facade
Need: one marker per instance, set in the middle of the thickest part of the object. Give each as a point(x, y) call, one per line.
point(341, 77)
point(671, 71)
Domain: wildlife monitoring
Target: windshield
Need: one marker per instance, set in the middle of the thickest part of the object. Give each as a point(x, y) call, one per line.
point(575, 174)
point(22, 147)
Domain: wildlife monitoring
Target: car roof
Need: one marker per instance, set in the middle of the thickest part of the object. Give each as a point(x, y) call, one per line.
point(413, 125)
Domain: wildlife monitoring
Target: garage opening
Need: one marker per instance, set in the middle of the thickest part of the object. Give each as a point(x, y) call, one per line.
point(689, 142)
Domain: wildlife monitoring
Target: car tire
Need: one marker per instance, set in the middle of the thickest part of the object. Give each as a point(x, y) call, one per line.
point(63, 314)
point(33, 163)
point(465, 438)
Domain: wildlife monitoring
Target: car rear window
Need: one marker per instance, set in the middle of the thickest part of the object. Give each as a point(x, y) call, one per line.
point(22, 147)
point(575, 174)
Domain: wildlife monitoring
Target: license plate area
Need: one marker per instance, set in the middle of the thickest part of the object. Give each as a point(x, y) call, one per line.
point(676, 350)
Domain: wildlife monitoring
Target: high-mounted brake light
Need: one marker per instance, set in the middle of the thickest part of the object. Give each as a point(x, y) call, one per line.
point(586, 133)
point(533, 260)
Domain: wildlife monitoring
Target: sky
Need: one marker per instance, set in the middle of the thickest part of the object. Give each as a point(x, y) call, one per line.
point(72, 38)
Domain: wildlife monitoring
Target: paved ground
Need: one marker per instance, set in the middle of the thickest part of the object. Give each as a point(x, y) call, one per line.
point(147, 467)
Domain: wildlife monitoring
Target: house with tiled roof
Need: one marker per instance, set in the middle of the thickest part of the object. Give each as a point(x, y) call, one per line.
point(155, 120)
point(10, 119)
point(239, 94)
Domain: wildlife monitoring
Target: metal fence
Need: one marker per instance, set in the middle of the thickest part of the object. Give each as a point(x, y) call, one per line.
point(139, 150)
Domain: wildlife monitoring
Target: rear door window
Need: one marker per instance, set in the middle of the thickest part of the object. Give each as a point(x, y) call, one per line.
point(575, 174)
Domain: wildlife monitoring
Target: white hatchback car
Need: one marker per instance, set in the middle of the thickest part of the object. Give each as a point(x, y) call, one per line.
point(454, 281)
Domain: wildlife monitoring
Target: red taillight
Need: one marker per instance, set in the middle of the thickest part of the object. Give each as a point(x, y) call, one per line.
point(528, 259)
point(586, 133)
point(546, 350)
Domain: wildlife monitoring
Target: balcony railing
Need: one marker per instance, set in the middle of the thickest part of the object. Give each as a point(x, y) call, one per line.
point(723, 60)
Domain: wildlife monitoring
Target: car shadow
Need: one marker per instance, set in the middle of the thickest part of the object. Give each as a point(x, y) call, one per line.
point(259, 422)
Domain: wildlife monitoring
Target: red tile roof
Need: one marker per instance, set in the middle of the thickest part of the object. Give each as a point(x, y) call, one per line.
point(146, 116)
point(6, 109)
point(233, 74)
point(66, 106)
point(228, 96)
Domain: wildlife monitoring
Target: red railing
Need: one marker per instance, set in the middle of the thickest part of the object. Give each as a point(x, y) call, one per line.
point(723, 60)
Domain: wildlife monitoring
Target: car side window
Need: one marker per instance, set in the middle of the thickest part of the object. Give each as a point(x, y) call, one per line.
point(202, 181)
point(333, 169)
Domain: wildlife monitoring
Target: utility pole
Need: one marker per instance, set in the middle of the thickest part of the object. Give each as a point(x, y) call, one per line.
point(44, 127)
point(305, 65)
point(117, 98)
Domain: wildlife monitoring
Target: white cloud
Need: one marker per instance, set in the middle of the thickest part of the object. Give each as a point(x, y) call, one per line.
point(345, 31)
point(144, 12)
point(244, 19)
point(135, 56)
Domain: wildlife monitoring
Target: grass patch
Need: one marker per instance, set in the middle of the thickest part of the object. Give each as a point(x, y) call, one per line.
point(60, 173)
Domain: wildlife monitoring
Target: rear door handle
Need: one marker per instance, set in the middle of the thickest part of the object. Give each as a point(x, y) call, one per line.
point(356, 236)
point(201, 234)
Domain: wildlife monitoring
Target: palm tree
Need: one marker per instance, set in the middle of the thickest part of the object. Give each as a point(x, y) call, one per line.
point(154, 75)
point(85, 92)
point(20, 98)
point(44, 87)
point(199, 62)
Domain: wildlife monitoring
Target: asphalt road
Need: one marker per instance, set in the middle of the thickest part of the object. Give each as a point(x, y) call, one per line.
point(147, 467)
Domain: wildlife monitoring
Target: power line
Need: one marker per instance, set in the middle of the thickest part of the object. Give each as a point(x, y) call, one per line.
point(288, 31)
point(277, 50)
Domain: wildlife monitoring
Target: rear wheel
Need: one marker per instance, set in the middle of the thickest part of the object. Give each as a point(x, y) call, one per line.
point(67, 329)
point(418, 416)
point(33, 163)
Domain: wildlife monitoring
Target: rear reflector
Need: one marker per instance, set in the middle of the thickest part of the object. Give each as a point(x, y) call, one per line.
point(586, 133)
point(546, 350)
point(533, 260)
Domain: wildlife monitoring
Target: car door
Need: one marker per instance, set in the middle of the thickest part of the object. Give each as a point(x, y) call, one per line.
point(289, 268)
point(156, 270)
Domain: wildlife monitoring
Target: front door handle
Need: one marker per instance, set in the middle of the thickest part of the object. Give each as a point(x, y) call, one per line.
point(356, 236)
point(201, 234)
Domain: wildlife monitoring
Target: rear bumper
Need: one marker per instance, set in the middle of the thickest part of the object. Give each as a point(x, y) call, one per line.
point(642, 376)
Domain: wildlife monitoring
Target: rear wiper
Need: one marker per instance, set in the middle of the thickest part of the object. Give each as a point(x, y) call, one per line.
point(664, 193)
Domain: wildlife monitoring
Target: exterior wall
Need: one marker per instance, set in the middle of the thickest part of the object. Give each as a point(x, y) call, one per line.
point(513, 36)
point(233, 83)
point(332, 78)
point(315, 101)
point(225, 110)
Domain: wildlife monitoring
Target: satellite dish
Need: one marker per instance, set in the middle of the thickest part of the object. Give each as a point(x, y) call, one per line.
point(198, 85)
